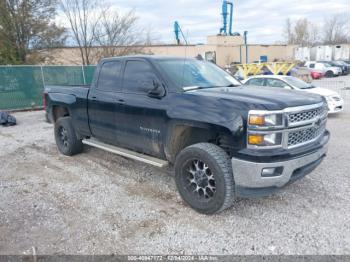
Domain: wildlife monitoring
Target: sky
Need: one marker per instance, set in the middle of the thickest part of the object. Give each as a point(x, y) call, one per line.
point(263, 19)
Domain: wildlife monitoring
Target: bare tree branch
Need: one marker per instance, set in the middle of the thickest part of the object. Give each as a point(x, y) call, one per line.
point(84, 17)
point(302, 32)
point(288, 32)
point(117, 34)
point(336, 30)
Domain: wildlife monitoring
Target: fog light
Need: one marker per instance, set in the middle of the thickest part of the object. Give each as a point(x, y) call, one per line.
point(271, 171)
point(255, 139)
point(268, 172)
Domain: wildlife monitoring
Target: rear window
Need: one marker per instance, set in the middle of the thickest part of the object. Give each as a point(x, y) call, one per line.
point(275, 83)
point(256, 82)
point(109, 78)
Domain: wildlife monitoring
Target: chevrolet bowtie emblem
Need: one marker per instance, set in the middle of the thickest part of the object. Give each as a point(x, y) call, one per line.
point(318, 123)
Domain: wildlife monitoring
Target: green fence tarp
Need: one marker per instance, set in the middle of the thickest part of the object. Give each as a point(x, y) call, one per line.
point(22, 86)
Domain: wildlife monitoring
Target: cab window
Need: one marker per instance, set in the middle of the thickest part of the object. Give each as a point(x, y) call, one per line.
point(138, 77)
point(256, 82)
point(109, 78)
point(275, 83)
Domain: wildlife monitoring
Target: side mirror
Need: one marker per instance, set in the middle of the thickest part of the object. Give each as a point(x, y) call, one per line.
point(158, 90)
point(288, 87)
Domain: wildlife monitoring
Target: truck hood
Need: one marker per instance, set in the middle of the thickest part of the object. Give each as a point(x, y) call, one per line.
point(261, 97)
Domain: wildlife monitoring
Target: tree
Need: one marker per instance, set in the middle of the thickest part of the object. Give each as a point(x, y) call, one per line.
point(100, 30)
point(151, 37)
point(84, 17)
point(117, 34)
point(314, 34)
point(302, 32)
point(336, 30)
point(288, 32)
point(26, 25)
point(7, 54)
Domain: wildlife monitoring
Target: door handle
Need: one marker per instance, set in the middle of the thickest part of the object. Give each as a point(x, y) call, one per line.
point(121, 101)
point(94, 97)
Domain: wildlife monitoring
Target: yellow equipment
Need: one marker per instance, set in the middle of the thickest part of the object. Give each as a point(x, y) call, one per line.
point(256, 68)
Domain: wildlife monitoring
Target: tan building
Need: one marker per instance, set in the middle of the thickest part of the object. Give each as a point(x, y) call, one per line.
point(224, 49)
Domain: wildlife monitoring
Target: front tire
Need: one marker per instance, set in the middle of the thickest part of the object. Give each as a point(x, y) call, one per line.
point(66, 139)
point(204, 178)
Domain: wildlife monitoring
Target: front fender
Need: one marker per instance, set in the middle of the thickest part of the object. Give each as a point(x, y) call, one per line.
point(207, 111)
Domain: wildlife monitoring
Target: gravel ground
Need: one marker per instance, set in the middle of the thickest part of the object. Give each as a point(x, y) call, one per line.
point(99, 203)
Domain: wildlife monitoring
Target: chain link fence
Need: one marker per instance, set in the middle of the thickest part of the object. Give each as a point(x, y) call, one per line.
point(342, 86)
point(21, 86)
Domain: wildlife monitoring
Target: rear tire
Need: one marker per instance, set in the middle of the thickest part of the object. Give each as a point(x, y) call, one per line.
point(66, 139)
point(329, 74)
point(204, 178)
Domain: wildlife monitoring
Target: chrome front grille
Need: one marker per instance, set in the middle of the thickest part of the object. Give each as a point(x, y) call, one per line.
point(300, 125)
point(299, 137)
point(308, 115)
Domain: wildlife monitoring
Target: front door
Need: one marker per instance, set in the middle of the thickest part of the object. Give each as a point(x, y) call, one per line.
point(144, 118)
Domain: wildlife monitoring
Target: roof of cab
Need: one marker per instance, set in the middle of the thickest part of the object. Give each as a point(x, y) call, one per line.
point(146, 57)
point(270, 76)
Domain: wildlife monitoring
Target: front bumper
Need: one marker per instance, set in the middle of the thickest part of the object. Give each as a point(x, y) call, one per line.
point(249, 181)
point(335, 106)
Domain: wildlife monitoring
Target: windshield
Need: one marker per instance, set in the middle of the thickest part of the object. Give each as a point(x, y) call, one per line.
point(192, 73)
point(298, 83)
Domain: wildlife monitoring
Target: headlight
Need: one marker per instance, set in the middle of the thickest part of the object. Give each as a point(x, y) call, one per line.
point(336, 98)
point(329, 98)
point(274, 139)
point(263, 129)
point(265, 120)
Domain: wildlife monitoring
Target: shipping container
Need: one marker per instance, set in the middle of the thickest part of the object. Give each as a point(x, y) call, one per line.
point(341, 52)
point(322, 53)
point(302, 53)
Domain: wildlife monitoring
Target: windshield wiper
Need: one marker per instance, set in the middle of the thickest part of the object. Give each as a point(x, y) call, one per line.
point(232, 85)
point(191, 88)
point(308, 87)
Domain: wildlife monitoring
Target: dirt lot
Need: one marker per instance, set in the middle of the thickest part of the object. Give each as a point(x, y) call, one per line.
point(99, 203)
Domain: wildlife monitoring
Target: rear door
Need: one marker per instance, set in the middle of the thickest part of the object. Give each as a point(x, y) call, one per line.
point(104, 102)
point(144, 118)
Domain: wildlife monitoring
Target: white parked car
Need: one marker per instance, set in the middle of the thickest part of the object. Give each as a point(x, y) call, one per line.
point(327, 69)
point(334, 100)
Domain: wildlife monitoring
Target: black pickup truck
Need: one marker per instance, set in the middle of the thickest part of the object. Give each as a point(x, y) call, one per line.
point(223, 139)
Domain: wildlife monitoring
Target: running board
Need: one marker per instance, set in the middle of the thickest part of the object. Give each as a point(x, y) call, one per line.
point(126, 153)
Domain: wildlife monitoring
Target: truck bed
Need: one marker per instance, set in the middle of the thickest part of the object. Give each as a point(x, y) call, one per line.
point(74, 97)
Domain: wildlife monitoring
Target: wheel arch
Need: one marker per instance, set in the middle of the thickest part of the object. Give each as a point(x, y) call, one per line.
point(59, 111)
point(182, 134)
